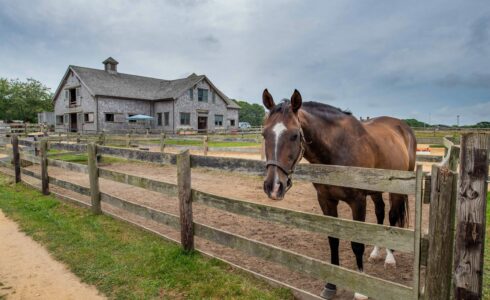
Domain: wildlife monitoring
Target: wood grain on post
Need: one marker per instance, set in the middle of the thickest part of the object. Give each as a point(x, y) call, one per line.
point(470, 216)
point(16, 157)
point(185, 200)
point(93, 174)
point(205, 145)
point(44, 167)
point(441, 225)
point(162, 142)
point(417, 230)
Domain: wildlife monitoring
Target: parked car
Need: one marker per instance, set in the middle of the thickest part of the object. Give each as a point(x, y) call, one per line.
point(244, 125)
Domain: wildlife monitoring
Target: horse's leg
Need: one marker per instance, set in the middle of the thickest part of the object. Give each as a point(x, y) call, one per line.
point(329, 208)
point(379, 206)
point(398, 216)
point(358, 207)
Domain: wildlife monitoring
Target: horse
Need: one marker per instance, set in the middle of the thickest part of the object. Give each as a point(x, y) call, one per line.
point(323, 134)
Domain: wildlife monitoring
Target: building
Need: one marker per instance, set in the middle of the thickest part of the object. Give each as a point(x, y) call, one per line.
point(93, 100)
point(46, 118)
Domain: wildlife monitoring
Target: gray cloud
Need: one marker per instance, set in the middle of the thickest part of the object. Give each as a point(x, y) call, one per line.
point(479, 39)
point(475, 80)
point(374, 57)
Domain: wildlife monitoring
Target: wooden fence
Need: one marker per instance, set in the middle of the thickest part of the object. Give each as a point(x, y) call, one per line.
point(426, 251)
point(144, 142)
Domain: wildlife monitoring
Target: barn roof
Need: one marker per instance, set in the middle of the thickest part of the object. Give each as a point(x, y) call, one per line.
point(121, 85)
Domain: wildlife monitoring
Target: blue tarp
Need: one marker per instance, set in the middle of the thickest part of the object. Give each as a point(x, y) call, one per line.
point(139, 117)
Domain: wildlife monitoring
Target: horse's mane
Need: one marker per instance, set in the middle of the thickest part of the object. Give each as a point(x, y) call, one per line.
point(316, 108)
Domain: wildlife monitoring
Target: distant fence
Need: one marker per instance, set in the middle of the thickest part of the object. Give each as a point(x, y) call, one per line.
point(426, 251)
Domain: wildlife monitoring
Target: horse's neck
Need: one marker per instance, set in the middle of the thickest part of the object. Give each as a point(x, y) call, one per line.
point(326, 140)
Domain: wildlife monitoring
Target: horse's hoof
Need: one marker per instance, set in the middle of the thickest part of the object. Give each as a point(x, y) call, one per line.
point(328, 293)
point(375, 256)
point(358, 296)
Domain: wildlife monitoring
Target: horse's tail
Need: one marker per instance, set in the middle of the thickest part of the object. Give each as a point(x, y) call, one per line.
point(399, 212)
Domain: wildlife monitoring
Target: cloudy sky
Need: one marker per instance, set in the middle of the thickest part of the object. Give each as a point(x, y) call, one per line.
point(409, 59)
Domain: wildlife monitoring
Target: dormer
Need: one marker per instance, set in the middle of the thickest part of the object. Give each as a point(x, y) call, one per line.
point(110, 65)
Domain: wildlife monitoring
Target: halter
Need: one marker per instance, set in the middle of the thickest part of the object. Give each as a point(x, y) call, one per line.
point(289, 171)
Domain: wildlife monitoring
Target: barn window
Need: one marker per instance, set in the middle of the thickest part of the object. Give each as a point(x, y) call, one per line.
point(159, 119)
point(232, 123)
point(59, 120)
point(202, 95)
point(191, 94)
point(109, 117)
point(185, 118)
point(218, 120)
point(214, 97)
point(88, 117)
point(166, 118)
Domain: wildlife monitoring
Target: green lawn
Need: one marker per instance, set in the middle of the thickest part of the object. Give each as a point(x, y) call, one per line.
point(486, 263)
point(122, 261)
point(211, 143)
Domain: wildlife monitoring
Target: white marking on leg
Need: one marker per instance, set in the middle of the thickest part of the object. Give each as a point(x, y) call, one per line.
point(390, 259)
point(358, 296)
point(278, 130)
point(374, 256)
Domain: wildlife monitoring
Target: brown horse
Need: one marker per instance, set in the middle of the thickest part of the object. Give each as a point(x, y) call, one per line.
point(328, 135)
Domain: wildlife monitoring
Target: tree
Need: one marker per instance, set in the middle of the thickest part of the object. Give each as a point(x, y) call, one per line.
point(251, 113)
point(23, 100)
point(416, 123)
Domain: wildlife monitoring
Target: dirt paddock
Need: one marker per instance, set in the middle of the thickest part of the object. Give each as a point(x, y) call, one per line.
point(301, 197)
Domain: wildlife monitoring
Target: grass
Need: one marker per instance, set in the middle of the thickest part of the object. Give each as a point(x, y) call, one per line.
point(486, 262)
point(122, 261)
point(221, 144)
point(83, 159)
point(437, 133)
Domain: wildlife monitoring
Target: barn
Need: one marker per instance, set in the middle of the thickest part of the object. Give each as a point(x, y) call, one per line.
point(95, 100)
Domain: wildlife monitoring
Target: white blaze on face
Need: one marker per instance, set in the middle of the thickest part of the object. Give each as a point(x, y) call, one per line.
point(278, 130)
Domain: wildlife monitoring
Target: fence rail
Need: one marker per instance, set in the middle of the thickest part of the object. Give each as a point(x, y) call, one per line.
point(402, 182)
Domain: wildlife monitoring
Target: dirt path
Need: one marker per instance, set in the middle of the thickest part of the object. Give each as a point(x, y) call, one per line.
point(27, 271)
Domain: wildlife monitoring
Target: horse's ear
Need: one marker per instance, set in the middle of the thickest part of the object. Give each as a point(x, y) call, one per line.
point(296, 101)
point(267, 100)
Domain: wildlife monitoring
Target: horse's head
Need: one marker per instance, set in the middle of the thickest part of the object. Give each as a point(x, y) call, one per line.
point(284, 147)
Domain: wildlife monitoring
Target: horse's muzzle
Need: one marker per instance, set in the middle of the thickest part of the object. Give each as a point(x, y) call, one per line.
point(277, 190)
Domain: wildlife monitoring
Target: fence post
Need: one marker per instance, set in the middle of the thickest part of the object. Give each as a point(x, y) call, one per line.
point(185, 200)
point(128, 140)
point(44, 167)
point(262, 148)
point(16, 157)
point(101, 138)
point(36, 149)
point(470, 216)
point(441, 229)
point(93, 174)
point(162, 142)
point(78, 138)
point(205, 145)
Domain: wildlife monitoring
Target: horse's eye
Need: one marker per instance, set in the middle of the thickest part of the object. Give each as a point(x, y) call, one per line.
point(294, 137)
